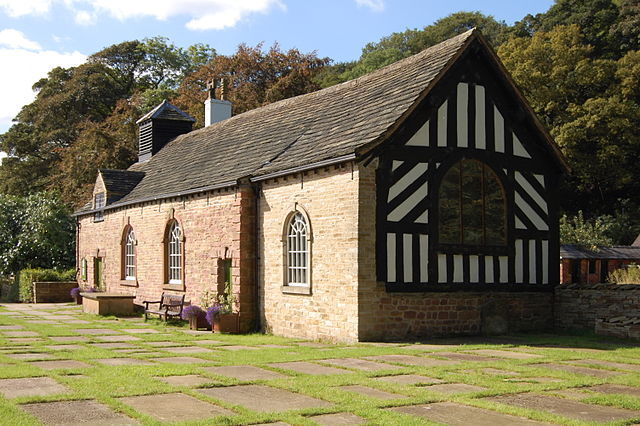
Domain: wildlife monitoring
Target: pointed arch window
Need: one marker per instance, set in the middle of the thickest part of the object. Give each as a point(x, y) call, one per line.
point(129, 255)
point(472, 206)
point(174, 250)
point(297, 251)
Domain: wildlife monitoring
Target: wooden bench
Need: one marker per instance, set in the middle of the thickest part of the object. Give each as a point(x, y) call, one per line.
point(169, 305)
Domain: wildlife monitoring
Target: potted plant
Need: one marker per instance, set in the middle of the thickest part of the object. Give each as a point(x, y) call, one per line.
point(75, 294)
point(196, 317)
point(227, 321)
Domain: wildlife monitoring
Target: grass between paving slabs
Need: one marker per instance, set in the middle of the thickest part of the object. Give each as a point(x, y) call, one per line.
point(106, 384)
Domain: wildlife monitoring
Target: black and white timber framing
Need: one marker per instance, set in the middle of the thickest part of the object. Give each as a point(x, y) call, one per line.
point(473, 113)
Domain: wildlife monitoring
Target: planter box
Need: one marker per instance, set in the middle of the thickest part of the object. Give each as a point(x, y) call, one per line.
point(199, 323)
point(107, 303)
point(227, 323)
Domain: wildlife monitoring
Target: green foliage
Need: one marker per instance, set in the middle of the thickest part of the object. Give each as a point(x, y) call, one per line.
point(26, 277)
point(627, 275)
point(397, 46)
point(591, 234)
point(35, 232)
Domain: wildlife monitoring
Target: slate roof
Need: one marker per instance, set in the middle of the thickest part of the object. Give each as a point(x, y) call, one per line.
point(166, 111)
point(328, 125)
point(118, 183)
point(568, 251)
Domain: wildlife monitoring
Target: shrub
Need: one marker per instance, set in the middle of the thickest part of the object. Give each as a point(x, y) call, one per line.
point(212, 312)
point(628, 275)
point(28, 276)
point(192, 311)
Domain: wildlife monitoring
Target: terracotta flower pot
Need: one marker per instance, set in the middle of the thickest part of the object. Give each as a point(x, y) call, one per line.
point(227, 323)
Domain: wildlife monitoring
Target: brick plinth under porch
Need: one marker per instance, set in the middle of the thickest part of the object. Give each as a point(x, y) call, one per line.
point(423, 315)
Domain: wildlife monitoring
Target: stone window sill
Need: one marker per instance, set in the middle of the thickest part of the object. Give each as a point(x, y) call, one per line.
point(173, 287)
point(290, 289)
point(129, 283)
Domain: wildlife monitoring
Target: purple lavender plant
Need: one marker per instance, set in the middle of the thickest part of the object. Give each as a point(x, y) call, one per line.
point(191, 311)
point(212, 312)
point(75, 292)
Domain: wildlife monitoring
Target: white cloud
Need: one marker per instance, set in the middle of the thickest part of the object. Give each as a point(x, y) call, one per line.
point(26, 67)
point(15, 39)
point(17, 8)
point(85, 18)
point(202, 14)
point(375, 5)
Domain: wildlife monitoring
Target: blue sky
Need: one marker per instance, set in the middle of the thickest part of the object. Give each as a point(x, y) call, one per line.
point(36, 35)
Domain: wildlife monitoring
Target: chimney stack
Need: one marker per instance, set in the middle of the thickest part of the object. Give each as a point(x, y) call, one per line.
point(216, 110)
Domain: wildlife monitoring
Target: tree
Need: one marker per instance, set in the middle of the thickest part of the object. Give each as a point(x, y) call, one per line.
point(48, 145)
point(578, 231)
point(253, 78)
point(594, 18)
point(39, 233)
point(626, 31)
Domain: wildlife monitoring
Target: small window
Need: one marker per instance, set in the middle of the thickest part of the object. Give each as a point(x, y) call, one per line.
point(297, 251)
point(472, 207)
point(83, 269)
point(592, 266)
point(98, 203)
point(130, 255)
point(174, 254)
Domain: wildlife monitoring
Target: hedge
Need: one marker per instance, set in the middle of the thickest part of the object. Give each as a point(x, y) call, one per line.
point(28, 276)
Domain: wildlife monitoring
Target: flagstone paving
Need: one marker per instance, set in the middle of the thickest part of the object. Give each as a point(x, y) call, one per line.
point(76, 412)
point(459, 356)
point(412, 360)
point(451, 388)
point(338, 419)
point(359, 364)
point(244, 372)
point(579, 370)
point(505, 354)
point(188, 350)
point(93, 331)
point(59, 364)
point(173, 407)
point(371, 392)
point(567, 408)
point(307, 368)
point(607, 364)
point(118, 338)
point(180, 360)
point(190, 380)
point(617, 389)
point(123, 361)
point(302, 380)
point(264, 398)
point(452, 413)
point(20, 334)
point(408, 379)
point(29, 356)
point(69, 339)
point(30, 386)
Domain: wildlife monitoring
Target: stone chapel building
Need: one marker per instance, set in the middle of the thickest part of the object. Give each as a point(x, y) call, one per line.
point(418, 200)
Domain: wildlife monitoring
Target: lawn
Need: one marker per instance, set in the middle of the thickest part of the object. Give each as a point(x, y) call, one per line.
point(59, 366)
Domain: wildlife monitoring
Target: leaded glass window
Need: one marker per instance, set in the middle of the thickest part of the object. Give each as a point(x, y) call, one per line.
point(99, 201)
point(472, 208)
point(130, 256)
point(174, 254)
point(298, 251)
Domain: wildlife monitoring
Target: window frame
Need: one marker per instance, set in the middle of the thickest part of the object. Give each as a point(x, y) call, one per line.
point(127, 242)
point(479, 249)
point(99, 202)
point(303, 258)
point(171, 240)
point(84, 268)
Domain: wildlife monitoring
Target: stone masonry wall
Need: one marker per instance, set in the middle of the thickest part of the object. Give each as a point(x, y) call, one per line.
point(579, 306)
point(329, 198)
point(212, 228)
point(50, 292)
point(387, 316)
